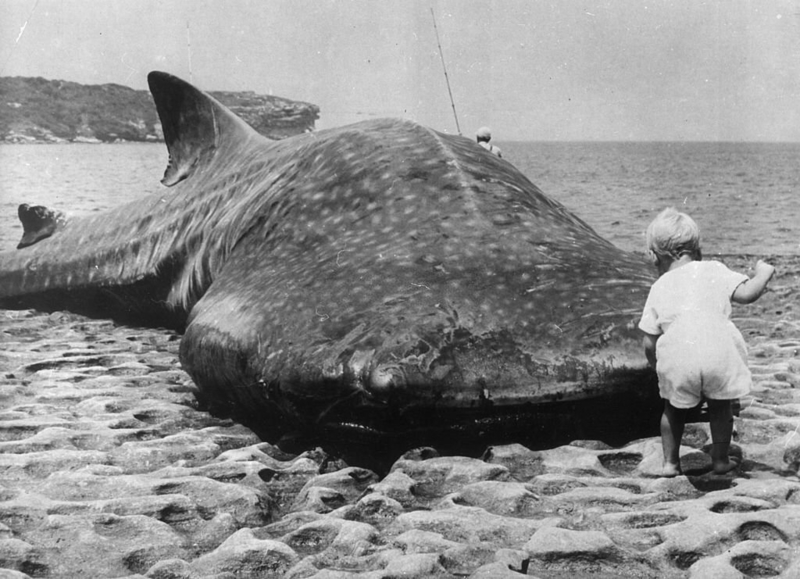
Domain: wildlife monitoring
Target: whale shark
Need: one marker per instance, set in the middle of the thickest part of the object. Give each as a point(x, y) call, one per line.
point(380, 277)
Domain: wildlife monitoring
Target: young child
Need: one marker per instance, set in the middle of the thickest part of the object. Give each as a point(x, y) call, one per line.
point(696, 350)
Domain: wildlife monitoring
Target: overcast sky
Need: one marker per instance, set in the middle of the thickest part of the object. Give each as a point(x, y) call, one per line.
point(531, 70)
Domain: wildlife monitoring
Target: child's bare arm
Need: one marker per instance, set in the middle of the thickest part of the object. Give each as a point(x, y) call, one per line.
point(649, 343)
point(751, 290)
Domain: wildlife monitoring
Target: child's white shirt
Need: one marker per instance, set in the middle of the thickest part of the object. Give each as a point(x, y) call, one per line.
point(701, 353)
point(701, 288)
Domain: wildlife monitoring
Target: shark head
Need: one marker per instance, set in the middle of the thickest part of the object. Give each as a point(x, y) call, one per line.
point(386, 276)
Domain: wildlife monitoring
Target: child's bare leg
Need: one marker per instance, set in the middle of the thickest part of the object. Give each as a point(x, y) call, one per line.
point(720, 420)
point(672, 424)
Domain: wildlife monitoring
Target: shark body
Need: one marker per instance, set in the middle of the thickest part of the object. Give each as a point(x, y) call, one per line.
point(376, 277)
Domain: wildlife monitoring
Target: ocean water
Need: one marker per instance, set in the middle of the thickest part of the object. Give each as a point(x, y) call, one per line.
point(744, 196)
point(77, 179)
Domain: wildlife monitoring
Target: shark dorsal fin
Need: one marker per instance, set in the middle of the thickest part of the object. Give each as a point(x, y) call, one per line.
point(194, 124)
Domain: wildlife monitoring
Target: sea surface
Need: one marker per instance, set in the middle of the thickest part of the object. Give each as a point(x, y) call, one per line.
point(744, 196)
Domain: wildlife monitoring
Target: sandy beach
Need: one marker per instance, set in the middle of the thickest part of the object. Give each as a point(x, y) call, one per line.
point(109, 468)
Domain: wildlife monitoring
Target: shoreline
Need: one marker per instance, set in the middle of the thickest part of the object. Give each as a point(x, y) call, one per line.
point(83, 141)
point(108, 466)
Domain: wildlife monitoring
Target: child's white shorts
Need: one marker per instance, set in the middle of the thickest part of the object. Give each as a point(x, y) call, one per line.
point(701, 357)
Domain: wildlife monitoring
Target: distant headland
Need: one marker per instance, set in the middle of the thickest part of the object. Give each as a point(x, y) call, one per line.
point(37, 110)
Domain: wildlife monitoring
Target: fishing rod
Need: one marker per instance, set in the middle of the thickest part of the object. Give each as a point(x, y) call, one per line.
point(19, 37)
point(189, 50)
point(446, 79)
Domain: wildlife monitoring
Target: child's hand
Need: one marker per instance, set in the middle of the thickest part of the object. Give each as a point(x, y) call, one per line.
point(764, 269)
point(751, 290)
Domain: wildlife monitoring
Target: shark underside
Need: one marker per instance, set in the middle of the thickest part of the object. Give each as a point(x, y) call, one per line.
point(378, 277)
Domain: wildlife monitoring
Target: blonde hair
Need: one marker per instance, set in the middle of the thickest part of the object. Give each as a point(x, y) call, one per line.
point(673, 234)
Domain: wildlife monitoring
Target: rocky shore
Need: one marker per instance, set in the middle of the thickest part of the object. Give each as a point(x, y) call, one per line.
point(109, 468)
point(38, 110)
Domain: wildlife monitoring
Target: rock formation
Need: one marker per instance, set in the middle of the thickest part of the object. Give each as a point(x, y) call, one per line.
point(109, 468)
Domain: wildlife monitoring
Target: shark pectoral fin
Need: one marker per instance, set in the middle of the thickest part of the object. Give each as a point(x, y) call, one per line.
point(219, 350)
point(195, 125)
point(38, 223)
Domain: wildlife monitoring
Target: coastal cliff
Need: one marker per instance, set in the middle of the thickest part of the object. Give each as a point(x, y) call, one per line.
point(37, 110)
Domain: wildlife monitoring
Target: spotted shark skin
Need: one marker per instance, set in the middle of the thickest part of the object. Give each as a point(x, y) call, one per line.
point(378, 276)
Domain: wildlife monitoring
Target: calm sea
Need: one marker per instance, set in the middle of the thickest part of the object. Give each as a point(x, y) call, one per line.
point(744, 196)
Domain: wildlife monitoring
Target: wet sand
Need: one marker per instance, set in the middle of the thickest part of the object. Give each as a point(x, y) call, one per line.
point(108, 468)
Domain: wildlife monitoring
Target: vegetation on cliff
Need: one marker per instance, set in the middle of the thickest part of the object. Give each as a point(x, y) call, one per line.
point(36, 110)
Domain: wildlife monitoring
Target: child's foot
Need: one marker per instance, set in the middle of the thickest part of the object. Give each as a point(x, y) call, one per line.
point(670, 470)
point(724, 467)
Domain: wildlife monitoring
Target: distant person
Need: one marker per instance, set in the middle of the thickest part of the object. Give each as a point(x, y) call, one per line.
point(483, 136)
point(696, 350)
